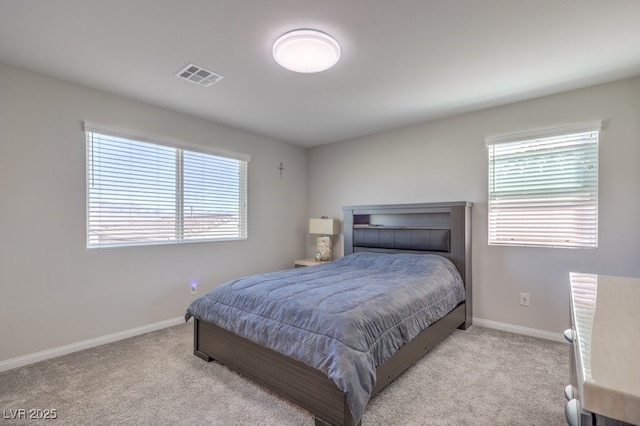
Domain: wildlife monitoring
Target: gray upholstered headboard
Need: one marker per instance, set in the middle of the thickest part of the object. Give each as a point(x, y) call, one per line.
point(436, 228)
point(401, 239)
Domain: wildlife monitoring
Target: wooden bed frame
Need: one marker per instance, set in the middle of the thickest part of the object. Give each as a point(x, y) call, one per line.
point(438, 228)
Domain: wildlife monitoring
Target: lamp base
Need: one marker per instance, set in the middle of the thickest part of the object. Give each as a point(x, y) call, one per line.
point(323, 246)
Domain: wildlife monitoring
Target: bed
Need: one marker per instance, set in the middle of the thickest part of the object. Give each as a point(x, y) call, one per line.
point(337, 365)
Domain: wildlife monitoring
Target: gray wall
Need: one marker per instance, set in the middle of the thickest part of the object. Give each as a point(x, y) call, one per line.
point(446, 160)
point(53, 291)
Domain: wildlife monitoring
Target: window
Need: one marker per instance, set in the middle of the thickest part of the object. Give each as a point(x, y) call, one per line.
point(543, 188)
point(141, 191)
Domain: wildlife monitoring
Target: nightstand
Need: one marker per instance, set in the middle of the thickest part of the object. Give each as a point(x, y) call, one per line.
point(307, 262)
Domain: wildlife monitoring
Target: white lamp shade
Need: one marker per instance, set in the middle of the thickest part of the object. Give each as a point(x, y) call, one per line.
point(324, 226)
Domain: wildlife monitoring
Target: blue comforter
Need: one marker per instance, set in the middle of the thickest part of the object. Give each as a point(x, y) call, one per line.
point(343, 318)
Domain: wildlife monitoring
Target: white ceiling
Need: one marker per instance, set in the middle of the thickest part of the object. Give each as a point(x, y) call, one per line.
point(403, 62)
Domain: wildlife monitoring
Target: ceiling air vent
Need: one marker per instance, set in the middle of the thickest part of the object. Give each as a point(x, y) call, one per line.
point(198, 75)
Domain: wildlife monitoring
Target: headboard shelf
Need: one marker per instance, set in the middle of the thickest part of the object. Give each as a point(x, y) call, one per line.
point(373, 226)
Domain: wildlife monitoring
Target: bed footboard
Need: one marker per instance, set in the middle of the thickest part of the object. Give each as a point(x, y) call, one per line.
point(306, 386)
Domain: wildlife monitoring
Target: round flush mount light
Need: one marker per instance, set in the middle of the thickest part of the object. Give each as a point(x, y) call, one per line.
point(306, 51)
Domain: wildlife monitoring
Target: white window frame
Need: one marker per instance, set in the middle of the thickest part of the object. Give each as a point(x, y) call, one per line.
point(543, 187)
point(108, 227)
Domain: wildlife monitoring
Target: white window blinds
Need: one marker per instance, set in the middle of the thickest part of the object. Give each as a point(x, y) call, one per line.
point(543, 188)
point(141, 192)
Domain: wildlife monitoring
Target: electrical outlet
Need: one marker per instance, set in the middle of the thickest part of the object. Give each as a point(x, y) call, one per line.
point(524, 299)
point(194, 289)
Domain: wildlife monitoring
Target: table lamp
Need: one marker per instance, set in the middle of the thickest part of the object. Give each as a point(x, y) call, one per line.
point(324, 228)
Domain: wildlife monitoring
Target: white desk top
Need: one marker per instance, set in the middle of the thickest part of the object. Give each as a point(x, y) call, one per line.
point(606, 315)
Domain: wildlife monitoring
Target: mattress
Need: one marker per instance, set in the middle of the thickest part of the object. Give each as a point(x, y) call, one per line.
point(344, 318)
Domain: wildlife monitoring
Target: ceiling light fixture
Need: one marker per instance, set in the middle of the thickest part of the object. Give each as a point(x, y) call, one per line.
point(306, 51)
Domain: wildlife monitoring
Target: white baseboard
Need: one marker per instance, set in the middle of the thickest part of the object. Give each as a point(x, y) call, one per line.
point(533, 332)
point(86, 344)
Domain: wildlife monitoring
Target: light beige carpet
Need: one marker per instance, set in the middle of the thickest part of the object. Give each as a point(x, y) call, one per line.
point(475, 377)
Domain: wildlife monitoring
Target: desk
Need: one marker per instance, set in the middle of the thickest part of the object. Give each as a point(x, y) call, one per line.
point(605, 336)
